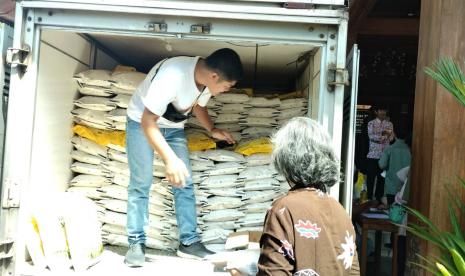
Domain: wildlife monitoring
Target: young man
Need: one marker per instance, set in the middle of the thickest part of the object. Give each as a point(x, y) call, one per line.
point(173, 89)
point(380, 132)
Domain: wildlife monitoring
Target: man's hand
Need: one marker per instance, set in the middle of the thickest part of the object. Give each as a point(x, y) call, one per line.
point(176, 172)
point(222, 135)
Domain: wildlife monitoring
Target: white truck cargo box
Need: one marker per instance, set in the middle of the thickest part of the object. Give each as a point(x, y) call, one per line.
point(300, 45)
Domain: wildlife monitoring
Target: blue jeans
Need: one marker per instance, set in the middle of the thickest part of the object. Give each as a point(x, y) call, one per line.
point(140, 158)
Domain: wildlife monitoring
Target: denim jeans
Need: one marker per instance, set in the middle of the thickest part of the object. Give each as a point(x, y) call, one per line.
point(140, 158)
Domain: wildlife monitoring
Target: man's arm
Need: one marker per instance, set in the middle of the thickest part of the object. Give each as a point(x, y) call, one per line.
point(176, 171)
point(202, 115)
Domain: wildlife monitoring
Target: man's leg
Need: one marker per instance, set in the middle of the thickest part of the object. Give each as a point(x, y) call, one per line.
point(140, 159)
point(184, 200)
point(379, 184)
point(371, 174)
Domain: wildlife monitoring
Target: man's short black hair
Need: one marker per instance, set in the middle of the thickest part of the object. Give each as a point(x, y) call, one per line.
point(227, 63)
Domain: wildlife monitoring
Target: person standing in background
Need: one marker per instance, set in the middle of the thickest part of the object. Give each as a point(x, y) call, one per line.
point(380, 133)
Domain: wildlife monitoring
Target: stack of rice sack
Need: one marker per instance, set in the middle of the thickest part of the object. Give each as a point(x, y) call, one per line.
point(218, 193)
point(100, 160)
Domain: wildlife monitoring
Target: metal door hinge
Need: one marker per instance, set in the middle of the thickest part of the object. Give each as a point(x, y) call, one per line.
point(158, 27)
point(11, 194)
point(201, 29)
point(6, 251)
point(18, 56)
point(337, 76)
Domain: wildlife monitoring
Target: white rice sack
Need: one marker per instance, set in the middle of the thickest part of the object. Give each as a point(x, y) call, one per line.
point(114, 192)
point(86, 158)
point(223, 156)
point(253, 229)
point(228, 225)
point(258, 159)
point(258, 172)
point(94, 77)
point(264, 102)
point(281, 178)
point(89, 192)
point(118, 126)
point(85, 180)
point(290, 113)
point(49, 216)
point(220, 181)
point(219, 203)
point(293, 103)
point(118, 115)
point(260, 207)
point(194, 122)
point(89, 146)
point(252, 219)
point(116, 167)
point(263, 112)
point(229, 127)
point(79, 167)
point(261, 184)
point(212, 113)
point(116, 147)
point(259, 196)
point(283, 122)
point(120, 91)
point(254, 132)
point(201, 165)
point(226, 168)
point(227, 192)
point(121, 240)
point(234, 109)
point(34, 244)
point(223, 215)
point(127, 80)
point(197, 155)
point(82, 231)
point(258, 122)
point(121, 100)
point(97, 119)
point(230, 98)
point(237, 136)
point(214, 104)
point(95, 103)
point(95, 91)
point(117, 156)
point(228, 118)
point(197, 177)
point(215, 235)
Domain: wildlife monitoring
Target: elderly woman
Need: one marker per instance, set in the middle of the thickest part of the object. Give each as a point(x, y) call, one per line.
point(307, 232)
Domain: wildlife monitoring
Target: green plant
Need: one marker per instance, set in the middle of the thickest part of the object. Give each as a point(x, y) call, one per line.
point(451, 245)
point(449, 74)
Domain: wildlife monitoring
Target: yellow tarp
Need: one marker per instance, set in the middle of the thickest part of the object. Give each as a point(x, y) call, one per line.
point(101, 137)
point(261, 145)
point(199, 141)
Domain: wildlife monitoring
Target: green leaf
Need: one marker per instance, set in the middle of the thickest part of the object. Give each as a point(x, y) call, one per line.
point(459, 262)
point(443, 269)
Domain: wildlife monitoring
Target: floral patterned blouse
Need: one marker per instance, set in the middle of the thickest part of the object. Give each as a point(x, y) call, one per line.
point(307, 232)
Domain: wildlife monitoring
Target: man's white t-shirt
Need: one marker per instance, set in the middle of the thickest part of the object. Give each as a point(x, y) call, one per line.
point(174, 83)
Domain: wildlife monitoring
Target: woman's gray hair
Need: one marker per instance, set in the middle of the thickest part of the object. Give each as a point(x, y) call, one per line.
point(304, 154)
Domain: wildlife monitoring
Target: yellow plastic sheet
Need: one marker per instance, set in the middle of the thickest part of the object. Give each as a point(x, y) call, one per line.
point(101, 137)
point(261, 145)
point(199, 141)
